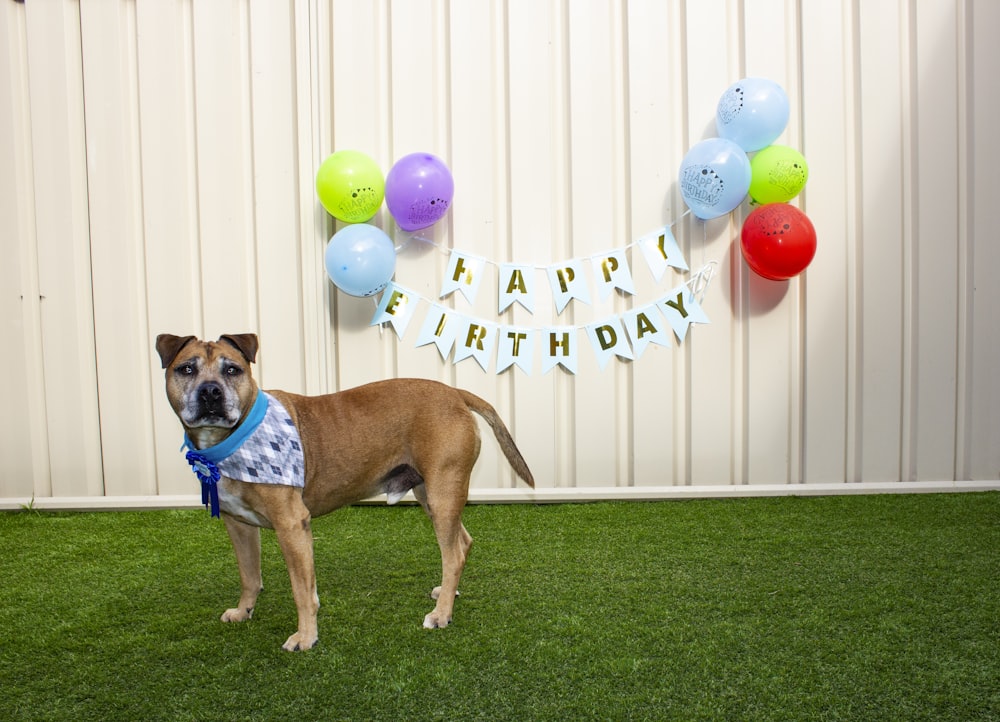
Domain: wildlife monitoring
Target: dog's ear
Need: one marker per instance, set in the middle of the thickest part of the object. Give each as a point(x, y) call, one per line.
point(168, 346)
point(245, 343)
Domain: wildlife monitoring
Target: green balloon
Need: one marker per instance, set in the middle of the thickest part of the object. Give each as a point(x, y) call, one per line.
point(350, 186)
point(777, 174)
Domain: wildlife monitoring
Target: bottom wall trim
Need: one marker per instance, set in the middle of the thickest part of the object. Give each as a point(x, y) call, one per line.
point(523, 495)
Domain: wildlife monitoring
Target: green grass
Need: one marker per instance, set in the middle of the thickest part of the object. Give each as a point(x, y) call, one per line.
point(840, 608)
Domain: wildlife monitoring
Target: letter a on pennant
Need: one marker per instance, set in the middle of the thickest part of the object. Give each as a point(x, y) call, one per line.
point(645, 326)
point(517, 283)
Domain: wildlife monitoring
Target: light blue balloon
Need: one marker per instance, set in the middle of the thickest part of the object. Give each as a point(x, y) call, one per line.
point(360, 259)
point(752, 113)
point(714, 178)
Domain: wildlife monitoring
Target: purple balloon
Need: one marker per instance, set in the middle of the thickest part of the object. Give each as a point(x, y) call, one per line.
point(418, 190)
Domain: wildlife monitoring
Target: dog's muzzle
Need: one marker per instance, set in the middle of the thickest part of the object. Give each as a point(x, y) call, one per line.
point(211, 407)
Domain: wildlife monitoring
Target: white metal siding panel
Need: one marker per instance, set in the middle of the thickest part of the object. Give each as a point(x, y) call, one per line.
point(116, 246)
point(832, 197)
point(62, 243)
point(980, 353)
point(156, 172)
point(23, 438)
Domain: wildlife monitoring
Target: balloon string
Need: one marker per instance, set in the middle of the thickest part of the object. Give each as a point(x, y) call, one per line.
point(704, 240)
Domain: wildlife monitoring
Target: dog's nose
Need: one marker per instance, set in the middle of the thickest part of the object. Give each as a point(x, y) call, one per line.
point(210, 395)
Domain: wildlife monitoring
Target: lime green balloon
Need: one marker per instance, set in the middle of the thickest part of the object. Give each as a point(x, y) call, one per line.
point(777, 174)
point(350, 186)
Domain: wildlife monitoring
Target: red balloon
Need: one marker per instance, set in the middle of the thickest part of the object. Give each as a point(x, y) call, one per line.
point(778, 241)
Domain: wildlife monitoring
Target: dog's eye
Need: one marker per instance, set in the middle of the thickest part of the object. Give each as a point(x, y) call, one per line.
point(185, 369)
point(233, 371)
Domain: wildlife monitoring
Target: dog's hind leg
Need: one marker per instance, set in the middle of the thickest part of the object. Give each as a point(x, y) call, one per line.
point(246, 543)
point(455, 543)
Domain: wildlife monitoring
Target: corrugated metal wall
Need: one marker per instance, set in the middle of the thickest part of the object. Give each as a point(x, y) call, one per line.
point(156, 174)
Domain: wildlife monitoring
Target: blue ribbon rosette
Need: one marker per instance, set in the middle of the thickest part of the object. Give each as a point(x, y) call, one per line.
point(208, 474)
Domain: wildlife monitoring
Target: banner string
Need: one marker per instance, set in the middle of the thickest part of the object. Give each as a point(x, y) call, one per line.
point(409, 237)
point(698, 285)
point(698, 282)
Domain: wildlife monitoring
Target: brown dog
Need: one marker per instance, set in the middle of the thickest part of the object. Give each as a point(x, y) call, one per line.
point(386, 437)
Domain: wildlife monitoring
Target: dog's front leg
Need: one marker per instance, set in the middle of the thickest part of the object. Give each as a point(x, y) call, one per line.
point(246, 542)
point(295, 539)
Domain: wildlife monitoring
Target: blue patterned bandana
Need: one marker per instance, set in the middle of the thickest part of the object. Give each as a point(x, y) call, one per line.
point(264, 449)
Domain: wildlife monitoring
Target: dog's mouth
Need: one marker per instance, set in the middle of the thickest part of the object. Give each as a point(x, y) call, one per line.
point(211, 418)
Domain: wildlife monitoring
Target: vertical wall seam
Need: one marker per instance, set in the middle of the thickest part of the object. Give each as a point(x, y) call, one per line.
point(910, 183)
point(31, 314)
point(797, 410)
point(250, 148)
point(682, 354)
point(388, 346)
point(327, 82)
point(303, 111)
point(197, 234)
point(965, 338)
point(854, 433)
point(563, 132)
point(625, 409)
point(500, 59)
point(444, 109)
point(739, 412)
point(90, 256)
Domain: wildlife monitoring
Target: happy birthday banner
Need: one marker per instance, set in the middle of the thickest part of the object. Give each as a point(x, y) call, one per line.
point(625, 336)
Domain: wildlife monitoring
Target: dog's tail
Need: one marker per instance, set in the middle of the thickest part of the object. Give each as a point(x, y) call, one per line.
point(504, 439)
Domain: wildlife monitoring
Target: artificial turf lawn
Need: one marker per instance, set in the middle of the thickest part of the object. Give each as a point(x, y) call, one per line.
point(839, 608)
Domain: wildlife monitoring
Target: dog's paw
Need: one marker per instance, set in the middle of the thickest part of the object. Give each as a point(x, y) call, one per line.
point(299, 642)
point(237, 615)
point(436, 620)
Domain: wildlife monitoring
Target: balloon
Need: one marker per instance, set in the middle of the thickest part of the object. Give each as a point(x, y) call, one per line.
point(778, 173)
point(418, 190)
point(350, 186)
point(752, 113)
point(714, 177)
point(778, 241)
point(360, 259)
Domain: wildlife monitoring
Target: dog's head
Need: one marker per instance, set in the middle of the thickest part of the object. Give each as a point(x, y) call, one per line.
point(209, 383)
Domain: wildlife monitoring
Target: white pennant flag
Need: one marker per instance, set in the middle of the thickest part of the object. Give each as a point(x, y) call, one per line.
point(611, 271)
point(464, 274)
point(475, 338)
point(608, 339)
point(645, 326)
point(567, 283)
point(661, 250)
point(515, 346)
point(559, 347)
point(439, 328)
point(681, 309)
point(397, 306)
point(517, 283)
